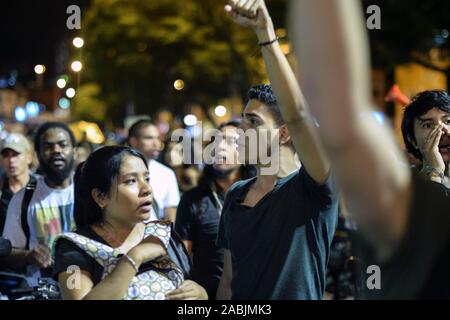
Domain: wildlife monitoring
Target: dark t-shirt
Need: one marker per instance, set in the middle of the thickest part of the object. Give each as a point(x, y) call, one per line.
point(280, 247)
point(5, 198)
point(68, 254)
point(198, 221)
point(420, 266)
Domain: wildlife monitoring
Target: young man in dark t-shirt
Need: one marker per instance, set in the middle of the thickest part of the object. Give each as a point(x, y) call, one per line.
point(277, 228)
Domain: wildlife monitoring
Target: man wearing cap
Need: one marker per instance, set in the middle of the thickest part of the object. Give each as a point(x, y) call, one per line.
point(16, 157)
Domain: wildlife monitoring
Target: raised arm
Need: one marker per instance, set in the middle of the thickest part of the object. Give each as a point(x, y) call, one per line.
point(295, 113)
point(332, 47)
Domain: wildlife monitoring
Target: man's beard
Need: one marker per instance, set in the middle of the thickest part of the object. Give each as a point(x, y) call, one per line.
point(58, 176)
point(222, 173)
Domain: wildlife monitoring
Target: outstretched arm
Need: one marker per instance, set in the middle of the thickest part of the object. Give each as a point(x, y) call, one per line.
point(332, 47)
point(303, 132)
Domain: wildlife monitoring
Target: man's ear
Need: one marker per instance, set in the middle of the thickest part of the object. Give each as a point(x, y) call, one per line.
point(285, 137)
point(413, 142)
point(75, 153)
point(132, 141)
point(99, 198)
point(29, 158)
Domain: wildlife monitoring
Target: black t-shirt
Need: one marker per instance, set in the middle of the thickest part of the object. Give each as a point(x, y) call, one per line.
point(7, 194)
point(198, 221)
point(420, 266)
point(280, 247)
point(68, 254)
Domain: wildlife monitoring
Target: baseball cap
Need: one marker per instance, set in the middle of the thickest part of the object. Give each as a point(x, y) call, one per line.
point(17, 142)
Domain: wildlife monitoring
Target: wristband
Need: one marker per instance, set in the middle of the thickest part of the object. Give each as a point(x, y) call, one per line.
point(430, 170)
point(262, 44)
point(132, 262)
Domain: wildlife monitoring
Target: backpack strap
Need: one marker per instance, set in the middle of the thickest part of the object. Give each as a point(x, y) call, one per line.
point(103, 254)
point(29, 191)
point(159, 229)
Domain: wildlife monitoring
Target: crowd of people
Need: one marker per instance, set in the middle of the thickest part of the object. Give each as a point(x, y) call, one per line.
point(115, 224)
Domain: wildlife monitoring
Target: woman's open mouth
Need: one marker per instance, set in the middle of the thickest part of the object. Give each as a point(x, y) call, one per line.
point(146, 206)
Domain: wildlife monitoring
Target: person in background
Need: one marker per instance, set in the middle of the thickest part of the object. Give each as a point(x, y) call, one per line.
point(426, 133)
point(84, 149)
point(188, 175)
point(144, 136)
point(199, 211)
point(37, 215)
point(16, 158)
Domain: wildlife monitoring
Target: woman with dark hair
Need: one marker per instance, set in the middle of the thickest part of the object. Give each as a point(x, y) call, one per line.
point(199, 211)
point(114, 254)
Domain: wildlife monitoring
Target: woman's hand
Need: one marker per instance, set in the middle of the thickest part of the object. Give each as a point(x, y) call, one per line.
point(149, 249)
point(189, 290)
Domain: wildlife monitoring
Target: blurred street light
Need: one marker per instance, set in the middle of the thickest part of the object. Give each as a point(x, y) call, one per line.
point(78, 42)
point(64, 103)
point(20, 114)
point(220, 111)
point(76, 66)
point(178, 84)
point(190, 120)
point(70, 93)
point(61, 83)
point(39, 69)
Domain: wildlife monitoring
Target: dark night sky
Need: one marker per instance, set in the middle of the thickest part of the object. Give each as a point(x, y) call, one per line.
point(31, 33)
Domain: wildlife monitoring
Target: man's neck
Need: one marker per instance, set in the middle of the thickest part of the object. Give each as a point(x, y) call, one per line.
point(18, 182)
point(288, 162)
point(287, 165)
point(59, 185)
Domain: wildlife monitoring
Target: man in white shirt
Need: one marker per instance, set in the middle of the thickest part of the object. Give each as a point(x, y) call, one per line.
point(32, 225)
point(143, 135)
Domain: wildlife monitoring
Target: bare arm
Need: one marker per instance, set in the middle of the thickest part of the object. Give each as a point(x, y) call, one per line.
point(334, 60)
point(294, 109)
point(115, 285)
point(224, 290)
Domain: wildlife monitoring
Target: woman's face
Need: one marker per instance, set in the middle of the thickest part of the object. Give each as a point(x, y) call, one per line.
point(130, 197)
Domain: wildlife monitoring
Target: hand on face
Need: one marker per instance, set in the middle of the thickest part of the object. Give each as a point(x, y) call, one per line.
point(431, 152)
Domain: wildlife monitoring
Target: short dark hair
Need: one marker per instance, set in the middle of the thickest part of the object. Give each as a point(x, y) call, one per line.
point(48, 126)
point(97, 172)
point(421, 104)
point(264, 93)
point(137, 126)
